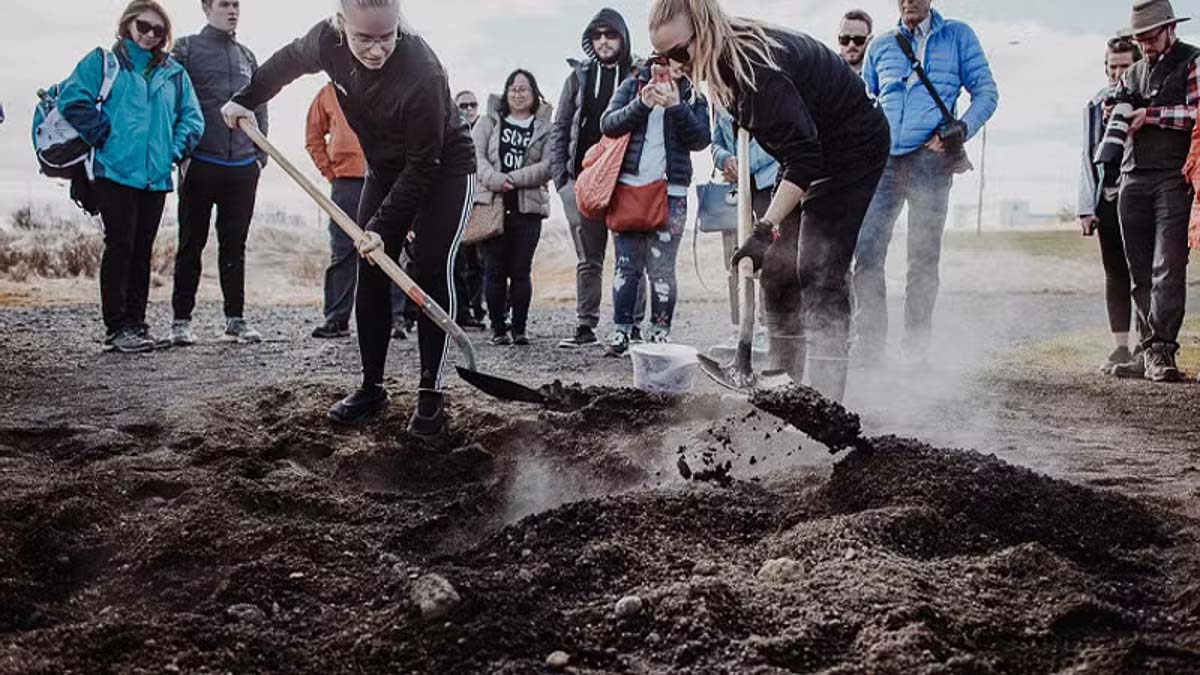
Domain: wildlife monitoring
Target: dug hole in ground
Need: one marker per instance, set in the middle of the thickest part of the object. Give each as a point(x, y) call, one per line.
point(192, 510)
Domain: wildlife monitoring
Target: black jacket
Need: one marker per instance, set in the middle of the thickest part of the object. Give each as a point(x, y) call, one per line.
point(404, 116)
point(813, 115)
point(219, 67)
point(686, 127)
point(570, 118)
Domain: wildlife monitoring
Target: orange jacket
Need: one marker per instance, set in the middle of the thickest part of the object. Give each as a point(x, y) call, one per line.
point(330, 140)
point(1191, 171)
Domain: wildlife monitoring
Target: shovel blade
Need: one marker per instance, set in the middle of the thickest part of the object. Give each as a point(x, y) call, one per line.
point(735, 379)
point(497, 387)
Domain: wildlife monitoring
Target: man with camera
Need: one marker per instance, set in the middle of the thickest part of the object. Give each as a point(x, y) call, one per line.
point(1099, 185)
point(1155, 199)
point(927, 150)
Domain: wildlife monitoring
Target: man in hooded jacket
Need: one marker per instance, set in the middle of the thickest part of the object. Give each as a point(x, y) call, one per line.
point(585, 98)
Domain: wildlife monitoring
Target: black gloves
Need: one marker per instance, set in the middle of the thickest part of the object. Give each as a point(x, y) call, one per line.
point(953, 135)
point(756, 245)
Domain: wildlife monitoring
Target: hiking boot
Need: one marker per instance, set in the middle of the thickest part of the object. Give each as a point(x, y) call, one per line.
point(1120, 355)
point(181, 333)
point(618, 345)
point(520, 339)
point(635, 335)
point(1160, 364)
point(332, 330)
point(237, 330)
point(429, 419)
point(584, 336)
point(400, 330)
point(501, 339)
point(1135, 369)
point(131, 341)
point(365, 403)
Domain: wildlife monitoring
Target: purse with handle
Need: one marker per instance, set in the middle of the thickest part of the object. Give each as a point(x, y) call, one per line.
point(486, 221)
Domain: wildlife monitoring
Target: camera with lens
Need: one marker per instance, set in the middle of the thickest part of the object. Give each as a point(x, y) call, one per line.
point(1116, 135)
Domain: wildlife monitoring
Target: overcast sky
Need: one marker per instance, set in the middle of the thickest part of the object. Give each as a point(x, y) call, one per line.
point(1033, 145)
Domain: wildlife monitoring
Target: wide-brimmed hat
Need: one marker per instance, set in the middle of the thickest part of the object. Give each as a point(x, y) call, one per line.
point(1151, 14)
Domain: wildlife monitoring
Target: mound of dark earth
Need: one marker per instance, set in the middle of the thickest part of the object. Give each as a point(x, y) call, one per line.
point(270, 542)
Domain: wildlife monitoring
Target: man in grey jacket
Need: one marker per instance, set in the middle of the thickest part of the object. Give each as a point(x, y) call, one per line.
point(585, 98)
point(223, 173)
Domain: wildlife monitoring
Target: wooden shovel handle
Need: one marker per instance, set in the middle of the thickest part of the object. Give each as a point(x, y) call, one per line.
point(378, 256)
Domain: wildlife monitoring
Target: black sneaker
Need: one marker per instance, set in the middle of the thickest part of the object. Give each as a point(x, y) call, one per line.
point(635, 336)
point(501, 339)
point(400, 330)
point(143, 331)
point(429, 419)
point(584, 337)
point(365, 403)
point(471, 323)
point(1160, 364)
point(1120, 355)
point(618, 345)
point(332, 330)
point(520, 339)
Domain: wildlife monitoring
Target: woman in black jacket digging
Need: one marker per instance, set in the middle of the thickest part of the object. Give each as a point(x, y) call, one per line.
point(420, 177)
point(808, 110)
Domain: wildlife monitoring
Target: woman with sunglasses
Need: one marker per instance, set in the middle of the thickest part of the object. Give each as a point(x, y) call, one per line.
point(667, 121)
point(420, 178)
point(151, 121)
point(511, 150)
point(809, 110)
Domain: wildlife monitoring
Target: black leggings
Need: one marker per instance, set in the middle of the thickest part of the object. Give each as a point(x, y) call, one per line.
point(438, 229)
point(1117, 283)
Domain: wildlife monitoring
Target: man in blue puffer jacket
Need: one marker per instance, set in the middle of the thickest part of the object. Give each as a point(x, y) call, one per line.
point(919, 171)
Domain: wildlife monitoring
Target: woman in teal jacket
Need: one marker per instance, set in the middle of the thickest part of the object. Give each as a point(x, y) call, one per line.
point(150, 122)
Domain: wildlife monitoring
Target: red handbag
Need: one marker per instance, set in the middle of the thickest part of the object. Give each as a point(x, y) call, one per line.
point(638, 209)
point(601, 167)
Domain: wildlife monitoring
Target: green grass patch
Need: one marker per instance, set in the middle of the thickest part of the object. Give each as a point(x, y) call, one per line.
point(1064, 244)
point(1088, 349)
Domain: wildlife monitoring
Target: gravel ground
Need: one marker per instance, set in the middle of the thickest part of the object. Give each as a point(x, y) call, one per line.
point(192, 511)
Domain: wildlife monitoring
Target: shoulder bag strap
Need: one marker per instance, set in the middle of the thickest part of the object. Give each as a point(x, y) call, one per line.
point(907, 48)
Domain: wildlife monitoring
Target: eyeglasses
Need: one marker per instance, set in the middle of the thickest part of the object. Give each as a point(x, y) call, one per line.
point(606, 33)
point(366, 43)
point(858, 40)
point(468, 106)
point(151, 29)
point(678, 54)
point(520, 91)
point(1151, 37)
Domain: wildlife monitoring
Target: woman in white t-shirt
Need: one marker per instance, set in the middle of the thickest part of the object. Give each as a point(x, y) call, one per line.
point(514, 165)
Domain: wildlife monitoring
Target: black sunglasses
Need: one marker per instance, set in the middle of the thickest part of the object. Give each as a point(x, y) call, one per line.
point(858, 40)
point(678, 54)
point(607, 33)
point(152, 29)
point(467, 106)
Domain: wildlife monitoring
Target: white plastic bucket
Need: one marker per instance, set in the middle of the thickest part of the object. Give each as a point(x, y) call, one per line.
point(664, 368)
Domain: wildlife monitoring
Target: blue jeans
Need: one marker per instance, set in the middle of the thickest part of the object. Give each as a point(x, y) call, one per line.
point(653, 255)
point(921, 179)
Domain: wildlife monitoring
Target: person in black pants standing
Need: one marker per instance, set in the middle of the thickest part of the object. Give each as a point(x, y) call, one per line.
point(468, 272)
point(420, 178)
point(1099, 185)
point(222, 174)
point(832, 143)
point(510, 151)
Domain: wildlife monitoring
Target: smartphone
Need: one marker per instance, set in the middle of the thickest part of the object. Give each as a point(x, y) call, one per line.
point(660, 74)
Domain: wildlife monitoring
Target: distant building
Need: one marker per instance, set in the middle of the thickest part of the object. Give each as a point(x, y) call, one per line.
point(1002, 214)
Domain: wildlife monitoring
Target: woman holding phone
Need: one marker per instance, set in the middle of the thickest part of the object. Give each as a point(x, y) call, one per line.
point(667, 121)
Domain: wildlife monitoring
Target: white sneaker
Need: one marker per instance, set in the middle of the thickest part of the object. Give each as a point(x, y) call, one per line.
point(181, 334)
point(237, 330)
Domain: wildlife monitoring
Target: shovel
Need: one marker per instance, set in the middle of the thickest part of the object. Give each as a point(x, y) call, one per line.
point(491, 385)
point(739, 375)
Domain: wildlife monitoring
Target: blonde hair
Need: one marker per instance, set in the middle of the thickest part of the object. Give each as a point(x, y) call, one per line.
point(720, 39)
point(341, 6)
point(135, 9)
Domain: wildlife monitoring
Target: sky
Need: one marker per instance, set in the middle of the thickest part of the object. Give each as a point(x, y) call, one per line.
point(1033, 145)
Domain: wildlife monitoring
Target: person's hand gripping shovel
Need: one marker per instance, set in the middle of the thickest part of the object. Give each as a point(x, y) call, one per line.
point(370, 245)
point(739, 375)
